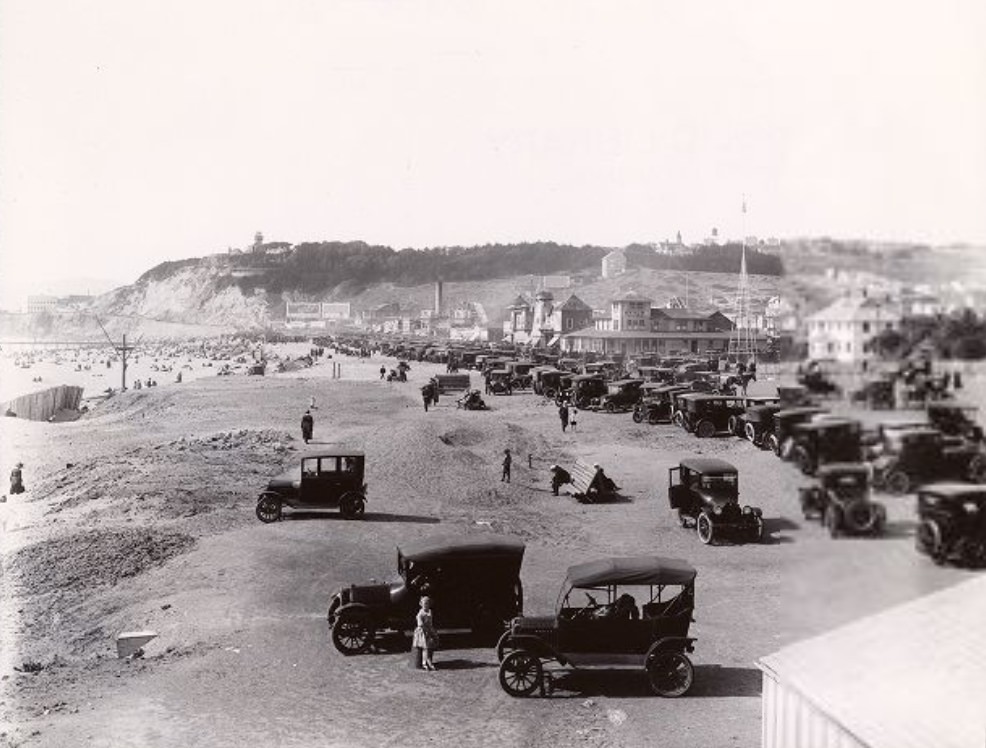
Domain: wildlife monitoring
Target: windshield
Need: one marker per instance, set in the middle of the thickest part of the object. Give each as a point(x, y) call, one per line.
point(721, 485)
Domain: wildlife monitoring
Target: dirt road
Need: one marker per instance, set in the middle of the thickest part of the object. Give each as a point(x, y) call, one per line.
point(140, 516)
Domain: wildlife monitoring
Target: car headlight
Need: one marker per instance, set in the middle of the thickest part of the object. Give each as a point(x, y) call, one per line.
point(717, 510)
point(971, 507)
point(747, 510)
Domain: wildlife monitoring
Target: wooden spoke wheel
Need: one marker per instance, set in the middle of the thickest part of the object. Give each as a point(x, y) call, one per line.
point(705, 429)
point(898, 482)
point(268, 508)
point(352, 633)
point(670, 674)
point(929, 540)
point(352, 505)
point(705, 528)
point(833, 520)
point(521, 673)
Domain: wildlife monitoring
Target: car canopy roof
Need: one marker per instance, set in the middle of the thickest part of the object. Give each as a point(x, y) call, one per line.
point(708, 465)
point(842, 468)
point(955, 491)
point(337, 451)
point(827, 423)
point(486, 545)
point(631, 570)
point(952, 406)
point(585, 377)
point(805, 410)
point(626, 382)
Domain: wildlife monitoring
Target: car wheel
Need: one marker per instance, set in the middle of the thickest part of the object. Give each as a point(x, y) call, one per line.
point(334, 610)
point(638, 415)
point(670, 674)
point(352, 633)
point(550, 393)
point(653, 419)
point(756, 532)
point(929, 540)
point(750, 432)
point(503, 646)
point(977, 469)
point(897, 482)
point(774, 445)
point(520, 673)
point(833, 520)
point(974, 553)
point(704, 528)
point(862, 516)
point(609, 408)
point(733, 425)
point(705, 429)
point(352, 505)
point(803, 460)
point(786, 447)
point(268, 508)
point(677, 419)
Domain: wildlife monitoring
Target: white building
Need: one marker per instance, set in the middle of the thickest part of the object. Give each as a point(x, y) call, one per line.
point(909, 677)
point(336, 310)
point(844, 330)
point(614, 264)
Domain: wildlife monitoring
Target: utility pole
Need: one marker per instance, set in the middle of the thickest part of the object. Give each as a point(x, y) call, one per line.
point(123, 349)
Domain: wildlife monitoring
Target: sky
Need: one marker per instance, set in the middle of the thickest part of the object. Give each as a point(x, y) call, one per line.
point(137, 131)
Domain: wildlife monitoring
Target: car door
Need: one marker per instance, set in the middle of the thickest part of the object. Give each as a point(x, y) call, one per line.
point(321, 488)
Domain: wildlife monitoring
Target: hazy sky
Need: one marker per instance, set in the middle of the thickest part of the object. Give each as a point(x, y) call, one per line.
point(132, 132)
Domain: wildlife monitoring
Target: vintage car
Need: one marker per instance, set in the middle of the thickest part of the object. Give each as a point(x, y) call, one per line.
point(816, 381)
point(607, 369)
point(474, 581)
point(708, 415)
point(841, 499)
point(655, 404)
point(689, 372)
point(471, 400)
point(679, 405)
point(793, 396)
point(621, 395)
point(758, 423)
point(704, 491)
point(611, 634)
point(329, 480)
point(828, 440)
point(779, 440)
point(571, 365)
point(952, 525)
point(537, 373)
point(737, 421)
point(584, 389)
point(520, 374)
point(876, 393)
point(956, 420)
point(909, 457)
point(499, 382)
point(553, 383)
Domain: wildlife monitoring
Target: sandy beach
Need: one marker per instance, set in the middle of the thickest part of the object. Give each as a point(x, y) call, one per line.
point(140, 515)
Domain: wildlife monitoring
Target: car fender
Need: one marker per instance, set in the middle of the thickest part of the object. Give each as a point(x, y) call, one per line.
point(356, 609)
point(538, 646)
point(671, 644)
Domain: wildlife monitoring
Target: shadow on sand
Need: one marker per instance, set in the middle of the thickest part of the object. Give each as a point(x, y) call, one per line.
point(332, 514)
point(714, 681)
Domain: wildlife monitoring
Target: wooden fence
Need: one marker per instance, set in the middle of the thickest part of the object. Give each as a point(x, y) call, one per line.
point(40, 406)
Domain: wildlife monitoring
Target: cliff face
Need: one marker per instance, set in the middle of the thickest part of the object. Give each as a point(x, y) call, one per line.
point(197, 294)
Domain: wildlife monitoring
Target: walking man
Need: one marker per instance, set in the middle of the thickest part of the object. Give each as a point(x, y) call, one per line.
point(383, 371)
point(426, 395)
point(307, 426)
point(505, 478)
point(563, 415)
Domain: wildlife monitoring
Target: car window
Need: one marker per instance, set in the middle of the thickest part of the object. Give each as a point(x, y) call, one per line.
point(309, 466)
point(719, 482)
point(349, 464)
point(328, 465)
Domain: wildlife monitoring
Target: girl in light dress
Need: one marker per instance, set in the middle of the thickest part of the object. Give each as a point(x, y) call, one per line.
point(425, 636)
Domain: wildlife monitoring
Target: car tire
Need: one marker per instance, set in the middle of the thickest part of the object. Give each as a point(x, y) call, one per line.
point(833, 520)
point(670, 674)
point(862, 517)
point(773, 444)
point(352, 505)
point(268, 508)
point(503, 646)
point(928, 539)
point(677, 419)
point(653, 419)
point(609, 408)
point(520, 673)
point(750, 432)
point(704, 528)
point(638, 415)
point(803, 460)
point(705, 429)
point(733, 425)
point(353, 633)
point(897, 482)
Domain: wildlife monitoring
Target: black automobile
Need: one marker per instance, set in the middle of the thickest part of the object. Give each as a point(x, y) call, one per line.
point(499, 382)
point(841, 499)
point(473, 581)
point(621, 395)
point(758, 423)
point(704, 491)
point(956, 420)
point(584, 389)
point(708, 415)
point(329, 480)
point(909, 457)
point(607, 629)
point(826, 440)
point(655, 404)
point(779, 440)
point(953, 523)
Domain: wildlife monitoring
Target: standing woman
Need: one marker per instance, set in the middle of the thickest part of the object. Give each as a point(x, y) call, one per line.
point(425, 636)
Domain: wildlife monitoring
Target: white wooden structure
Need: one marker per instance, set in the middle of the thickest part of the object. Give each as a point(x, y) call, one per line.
point(914, 675)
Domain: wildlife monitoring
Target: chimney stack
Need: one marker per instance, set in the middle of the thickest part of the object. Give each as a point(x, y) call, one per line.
point(438, 298)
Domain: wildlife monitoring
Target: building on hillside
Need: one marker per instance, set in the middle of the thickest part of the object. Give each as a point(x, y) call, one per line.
point(845, 329)
point(519, 322)
point(41, 303)
point(871, 683)
point(573, 314)
point(662, 331)
point(614, 264)
point(336, 310)
point(544, 322)
point(391, 310)
point(919, 303)
point(556, 282)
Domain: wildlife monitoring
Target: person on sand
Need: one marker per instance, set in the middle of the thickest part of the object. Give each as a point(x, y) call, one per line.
point(425, 636)
point(573, 419)
point(563, 415)
point(559, 477)
point(17, 479)
point(426, 395)
point(312, 406)
point(307, 426)
point(505, 477)
point(383, 371)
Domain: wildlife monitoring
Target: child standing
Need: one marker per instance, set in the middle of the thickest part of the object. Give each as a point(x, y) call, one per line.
point(573, 419)
point(425, 637)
